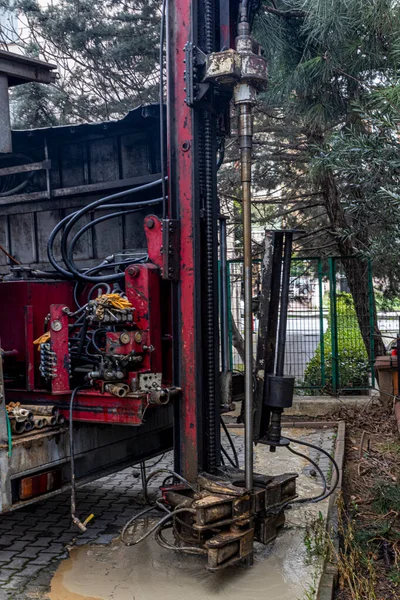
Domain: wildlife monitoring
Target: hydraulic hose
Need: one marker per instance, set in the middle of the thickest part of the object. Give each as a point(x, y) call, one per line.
point(96, 204)
point(70, 263)
point(333, 488)
point(160, 523)
point(75, 519)
point(70, 220)
point(320, 473)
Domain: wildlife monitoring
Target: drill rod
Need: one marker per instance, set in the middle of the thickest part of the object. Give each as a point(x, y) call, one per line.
point(245, 142)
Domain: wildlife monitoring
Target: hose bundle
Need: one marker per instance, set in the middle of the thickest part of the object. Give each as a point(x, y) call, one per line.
point(67, 247)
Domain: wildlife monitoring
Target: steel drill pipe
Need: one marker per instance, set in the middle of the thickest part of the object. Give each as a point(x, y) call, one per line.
point(49, 421)
point(245, 143)
point(41, 409)
point(21, 414)
point(17, 426)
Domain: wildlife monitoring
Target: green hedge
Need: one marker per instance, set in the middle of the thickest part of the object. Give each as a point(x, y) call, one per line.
point(353, 363)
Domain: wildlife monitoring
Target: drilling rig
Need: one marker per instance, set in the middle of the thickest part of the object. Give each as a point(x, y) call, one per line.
point(109, 305)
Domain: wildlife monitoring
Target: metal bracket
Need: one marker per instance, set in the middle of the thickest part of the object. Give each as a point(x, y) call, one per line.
point(163, 243)
point(195, 59)
point(149, 381)
point(171, 249)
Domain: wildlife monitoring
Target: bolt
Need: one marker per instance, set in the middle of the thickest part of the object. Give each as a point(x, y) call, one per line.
point(150, 223)
point(133, 271)
point(185, 146)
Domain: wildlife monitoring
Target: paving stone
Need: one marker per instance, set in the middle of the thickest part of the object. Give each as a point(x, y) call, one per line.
point(6, 555)
point(42, 541)
point(17, 546)
point(16, 583)
point(30, 552)
point(18, 562)
point(6, 574)
point(55, 548)
point(7, 539)
point(30, 570)
point(105, 538)
point(43, 559)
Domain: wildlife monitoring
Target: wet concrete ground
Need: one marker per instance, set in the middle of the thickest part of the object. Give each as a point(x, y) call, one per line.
point(99, 567)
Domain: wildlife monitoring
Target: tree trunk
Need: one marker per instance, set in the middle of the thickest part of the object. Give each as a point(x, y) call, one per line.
point(356, 270)
point(237, 339)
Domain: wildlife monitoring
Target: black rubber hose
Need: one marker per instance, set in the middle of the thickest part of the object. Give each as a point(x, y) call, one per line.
point(82, 336)
point(96, 204)
point(77, 215)
point(50, 244)
point(53, 235)
point(316, 467)
point(333, 488)
point(74, 518)
point(161, 522)
point(70, 263)
point(99, 286)
point(109, 265)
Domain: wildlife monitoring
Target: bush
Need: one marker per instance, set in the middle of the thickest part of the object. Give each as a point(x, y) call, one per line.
point(353, 363)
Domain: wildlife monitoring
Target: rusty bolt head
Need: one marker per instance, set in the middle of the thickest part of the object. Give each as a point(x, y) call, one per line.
point(150, 223)
point(138, 337)
point(125, 338)
point(133, 271)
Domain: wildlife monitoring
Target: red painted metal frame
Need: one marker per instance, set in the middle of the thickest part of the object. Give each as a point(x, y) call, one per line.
point(90, 406)
point(29, 348)
point(143, 291)
point(59, 346)
point(181, 168)
point(153, 230)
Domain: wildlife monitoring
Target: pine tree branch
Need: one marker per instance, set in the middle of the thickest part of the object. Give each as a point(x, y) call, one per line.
point(286, 14)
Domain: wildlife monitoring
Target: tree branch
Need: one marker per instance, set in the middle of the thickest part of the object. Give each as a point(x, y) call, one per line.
point(286, 14)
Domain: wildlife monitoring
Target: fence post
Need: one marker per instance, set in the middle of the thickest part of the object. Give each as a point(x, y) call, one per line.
point(321, 322)
point(229, 292)
point(333, 314)
point(371, 323)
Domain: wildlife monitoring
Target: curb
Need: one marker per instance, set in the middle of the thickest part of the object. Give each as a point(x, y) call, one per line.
point(329, 577)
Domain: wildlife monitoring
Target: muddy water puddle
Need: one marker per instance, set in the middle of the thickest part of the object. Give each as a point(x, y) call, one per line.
point(147, 571)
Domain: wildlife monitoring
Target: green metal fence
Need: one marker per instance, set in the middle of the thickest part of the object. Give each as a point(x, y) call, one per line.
point(330, 348)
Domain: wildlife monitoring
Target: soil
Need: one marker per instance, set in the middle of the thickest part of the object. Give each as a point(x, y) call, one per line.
point(369, 522)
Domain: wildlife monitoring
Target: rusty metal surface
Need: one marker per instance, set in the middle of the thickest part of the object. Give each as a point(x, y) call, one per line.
point(88, 161)
point(96, 449)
